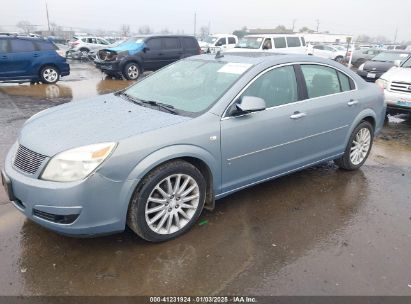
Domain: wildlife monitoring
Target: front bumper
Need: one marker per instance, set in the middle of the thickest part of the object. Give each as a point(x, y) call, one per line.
point(93, 206)
point(108, 66)
point(398, 102)
point(369, 76)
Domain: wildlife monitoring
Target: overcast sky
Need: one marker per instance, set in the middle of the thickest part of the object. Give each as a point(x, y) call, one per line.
point(372, 17)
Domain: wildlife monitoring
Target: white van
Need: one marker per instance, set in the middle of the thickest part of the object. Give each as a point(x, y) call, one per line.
point(218, 42)
point(280, 43)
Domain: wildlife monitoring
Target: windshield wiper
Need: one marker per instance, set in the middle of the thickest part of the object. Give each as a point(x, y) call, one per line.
point(131, 98)
point(163, 106)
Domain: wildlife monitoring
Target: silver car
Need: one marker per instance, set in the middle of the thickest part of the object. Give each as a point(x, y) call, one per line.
point(154, 155)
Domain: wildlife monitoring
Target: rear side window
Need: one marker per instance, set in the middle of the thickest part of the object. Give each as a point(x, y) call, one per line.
point(19, 46)
point(276, 87)
point(279, 43)
point(154, 44)
point(171, 43)
point(189, 43)
point(231, 40)
point(293, 42)
point(45, 46)
point(3, 46)
point(320, 80)
point(345, 82)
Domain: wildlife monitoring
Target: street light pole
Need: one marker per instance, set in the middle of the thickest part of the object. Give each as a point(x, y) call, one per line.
point(47, 12)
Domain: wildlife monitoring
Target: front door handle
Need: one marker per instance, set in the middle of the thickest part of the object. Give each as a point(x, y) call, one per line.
point(298, 115)
point(352, 102)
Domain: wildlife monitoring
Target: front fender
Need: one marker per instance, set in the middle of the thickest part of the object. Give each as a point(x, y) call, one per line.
point(177, 151)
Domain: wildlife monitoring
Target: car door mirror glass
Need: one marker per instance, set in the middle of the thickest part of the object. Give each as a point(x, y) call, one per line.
point(251, 104)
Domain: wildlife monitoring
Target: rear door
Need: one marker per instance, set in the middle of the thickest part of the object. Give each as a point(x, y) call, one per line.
point(4, 57)
point(154, 55)
point(23, 54)
point(172, 50)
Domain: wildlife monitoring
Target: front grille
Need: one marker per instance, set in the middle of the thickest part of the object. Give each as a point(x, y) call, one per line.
point(398, 86)
point(55, 218)
point(27, 160)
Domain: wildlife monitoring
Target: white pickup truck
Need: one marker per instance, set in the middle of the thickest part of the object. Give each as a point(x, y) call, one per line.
point(218, 42)
point(397, 88)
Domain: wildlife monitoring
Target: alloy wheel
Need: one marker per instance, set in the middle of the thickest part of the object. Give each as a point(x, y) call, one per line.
point(50, 75)
point(360, 146)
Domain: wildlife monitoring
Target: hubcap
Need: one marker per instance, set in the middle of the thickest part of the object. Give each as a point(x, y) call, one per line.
point(172, 204)
point(360, 146)
point(133, 72)
point(50, 75)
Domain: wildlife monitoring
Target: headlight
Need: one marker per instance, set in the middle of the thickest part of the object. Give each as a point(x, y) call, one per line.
point(361, 67)
point(382, 83)
point(76, 164)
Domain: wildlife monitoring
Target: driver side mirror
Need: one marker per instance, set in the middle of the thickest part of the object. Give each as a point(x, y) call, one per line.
point(251, 104)
point(146, 49)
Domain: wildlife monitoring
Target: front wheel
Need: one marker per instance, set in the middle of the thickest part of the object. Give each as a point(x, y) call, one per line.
point(131, 71)
point(49, 75)
point(168, 203)
point(358, 148)
point(339, 59)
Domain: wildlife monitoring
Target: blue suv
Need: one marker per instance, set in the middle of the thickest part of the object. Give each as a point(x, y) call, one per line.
point(30, 59)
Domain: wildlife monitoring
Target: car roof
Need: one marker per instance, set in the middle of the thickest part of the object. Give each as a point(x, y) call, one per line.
point(397, 51)
point(273, 35)
point(163, 36)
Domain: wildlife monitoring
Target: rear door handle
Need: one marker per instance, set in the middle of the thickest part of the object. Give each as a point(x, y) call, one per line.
point(298, 115)
point(352, 102)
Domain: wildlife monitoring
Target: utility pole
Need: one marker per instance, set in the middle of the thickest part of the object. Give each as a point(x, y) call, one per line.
point(318, 24)
point(294, 20)
point(395, 36)
point(47, 12)
point(195, 23)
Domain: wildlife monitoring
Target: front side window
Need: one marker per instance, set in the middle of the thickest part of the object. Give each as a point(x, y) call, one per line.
point(20, 46)
point(220, 42)
point(320, 80)
point(267, 44)
point(191, 86)
point(154, 44)
point(293, 42)
point(279, 43)
point(276, 87)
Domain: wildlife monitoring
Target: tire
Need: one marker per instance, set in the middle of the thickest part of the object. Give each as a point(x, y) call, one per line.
point(131, 71)
point(84, 51)
point(348, 160)
point(167, 221)
point(339, 59)
point(49, 74)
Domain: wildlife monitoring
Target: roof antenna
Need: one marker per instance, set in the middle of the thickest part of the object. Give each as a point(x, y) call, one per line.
point(218, 55)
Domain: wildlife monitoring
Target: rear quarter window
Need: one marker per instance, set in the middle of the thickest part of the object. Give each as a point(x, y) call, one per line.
point(189, 43)
point(293, 42)
point(20, 46)
point(347, 84)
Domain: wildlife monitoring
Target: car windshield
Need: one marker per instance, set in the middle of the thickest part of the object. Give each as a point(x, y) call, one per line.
point(210, 39)
point(250, 43)
point(189, 86)
point(407, 64)
point(390, 57)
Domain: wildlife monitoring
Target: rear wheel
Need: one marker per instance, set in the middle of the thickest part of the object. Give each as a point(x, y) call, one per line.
point(131, 71)
point(358, 148)
point(49, 74)
point(168, 203)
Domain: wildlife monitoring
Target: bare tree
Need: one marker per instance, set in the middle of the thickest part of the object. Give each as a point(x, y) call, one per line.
point(165, 31)
point(125, 30)
point(305, 29)
point(25, 26)
point(54, 27)
point(144, 30)
point(204, 32)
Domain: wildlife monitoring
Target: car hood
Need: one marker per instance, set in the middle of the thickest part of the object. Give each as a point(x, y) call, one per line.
point(107, 118)
point(131, 47)
point(398, 74)
point(378, 66)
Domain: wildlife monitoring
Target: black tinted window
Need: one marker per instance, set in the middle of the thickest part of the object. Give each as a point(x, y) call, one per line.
point(3, 46)
point(293, 41)
point(221, 42)
point(279, 43)
point(154, 44)
point(171, 43)
point(303, 41)
point(276, 87)
point(18, 46)
point(320, 80)
point(231, 40)
point(45, 46)
point(189, 43)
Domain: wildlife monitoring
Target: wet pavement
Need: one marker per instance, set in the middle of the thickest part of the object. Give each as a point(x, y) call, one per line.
point(321, 231)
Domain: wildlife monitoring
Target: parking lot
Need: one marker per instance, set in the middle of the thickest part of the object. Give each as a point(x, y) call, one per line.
point(321, 231)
